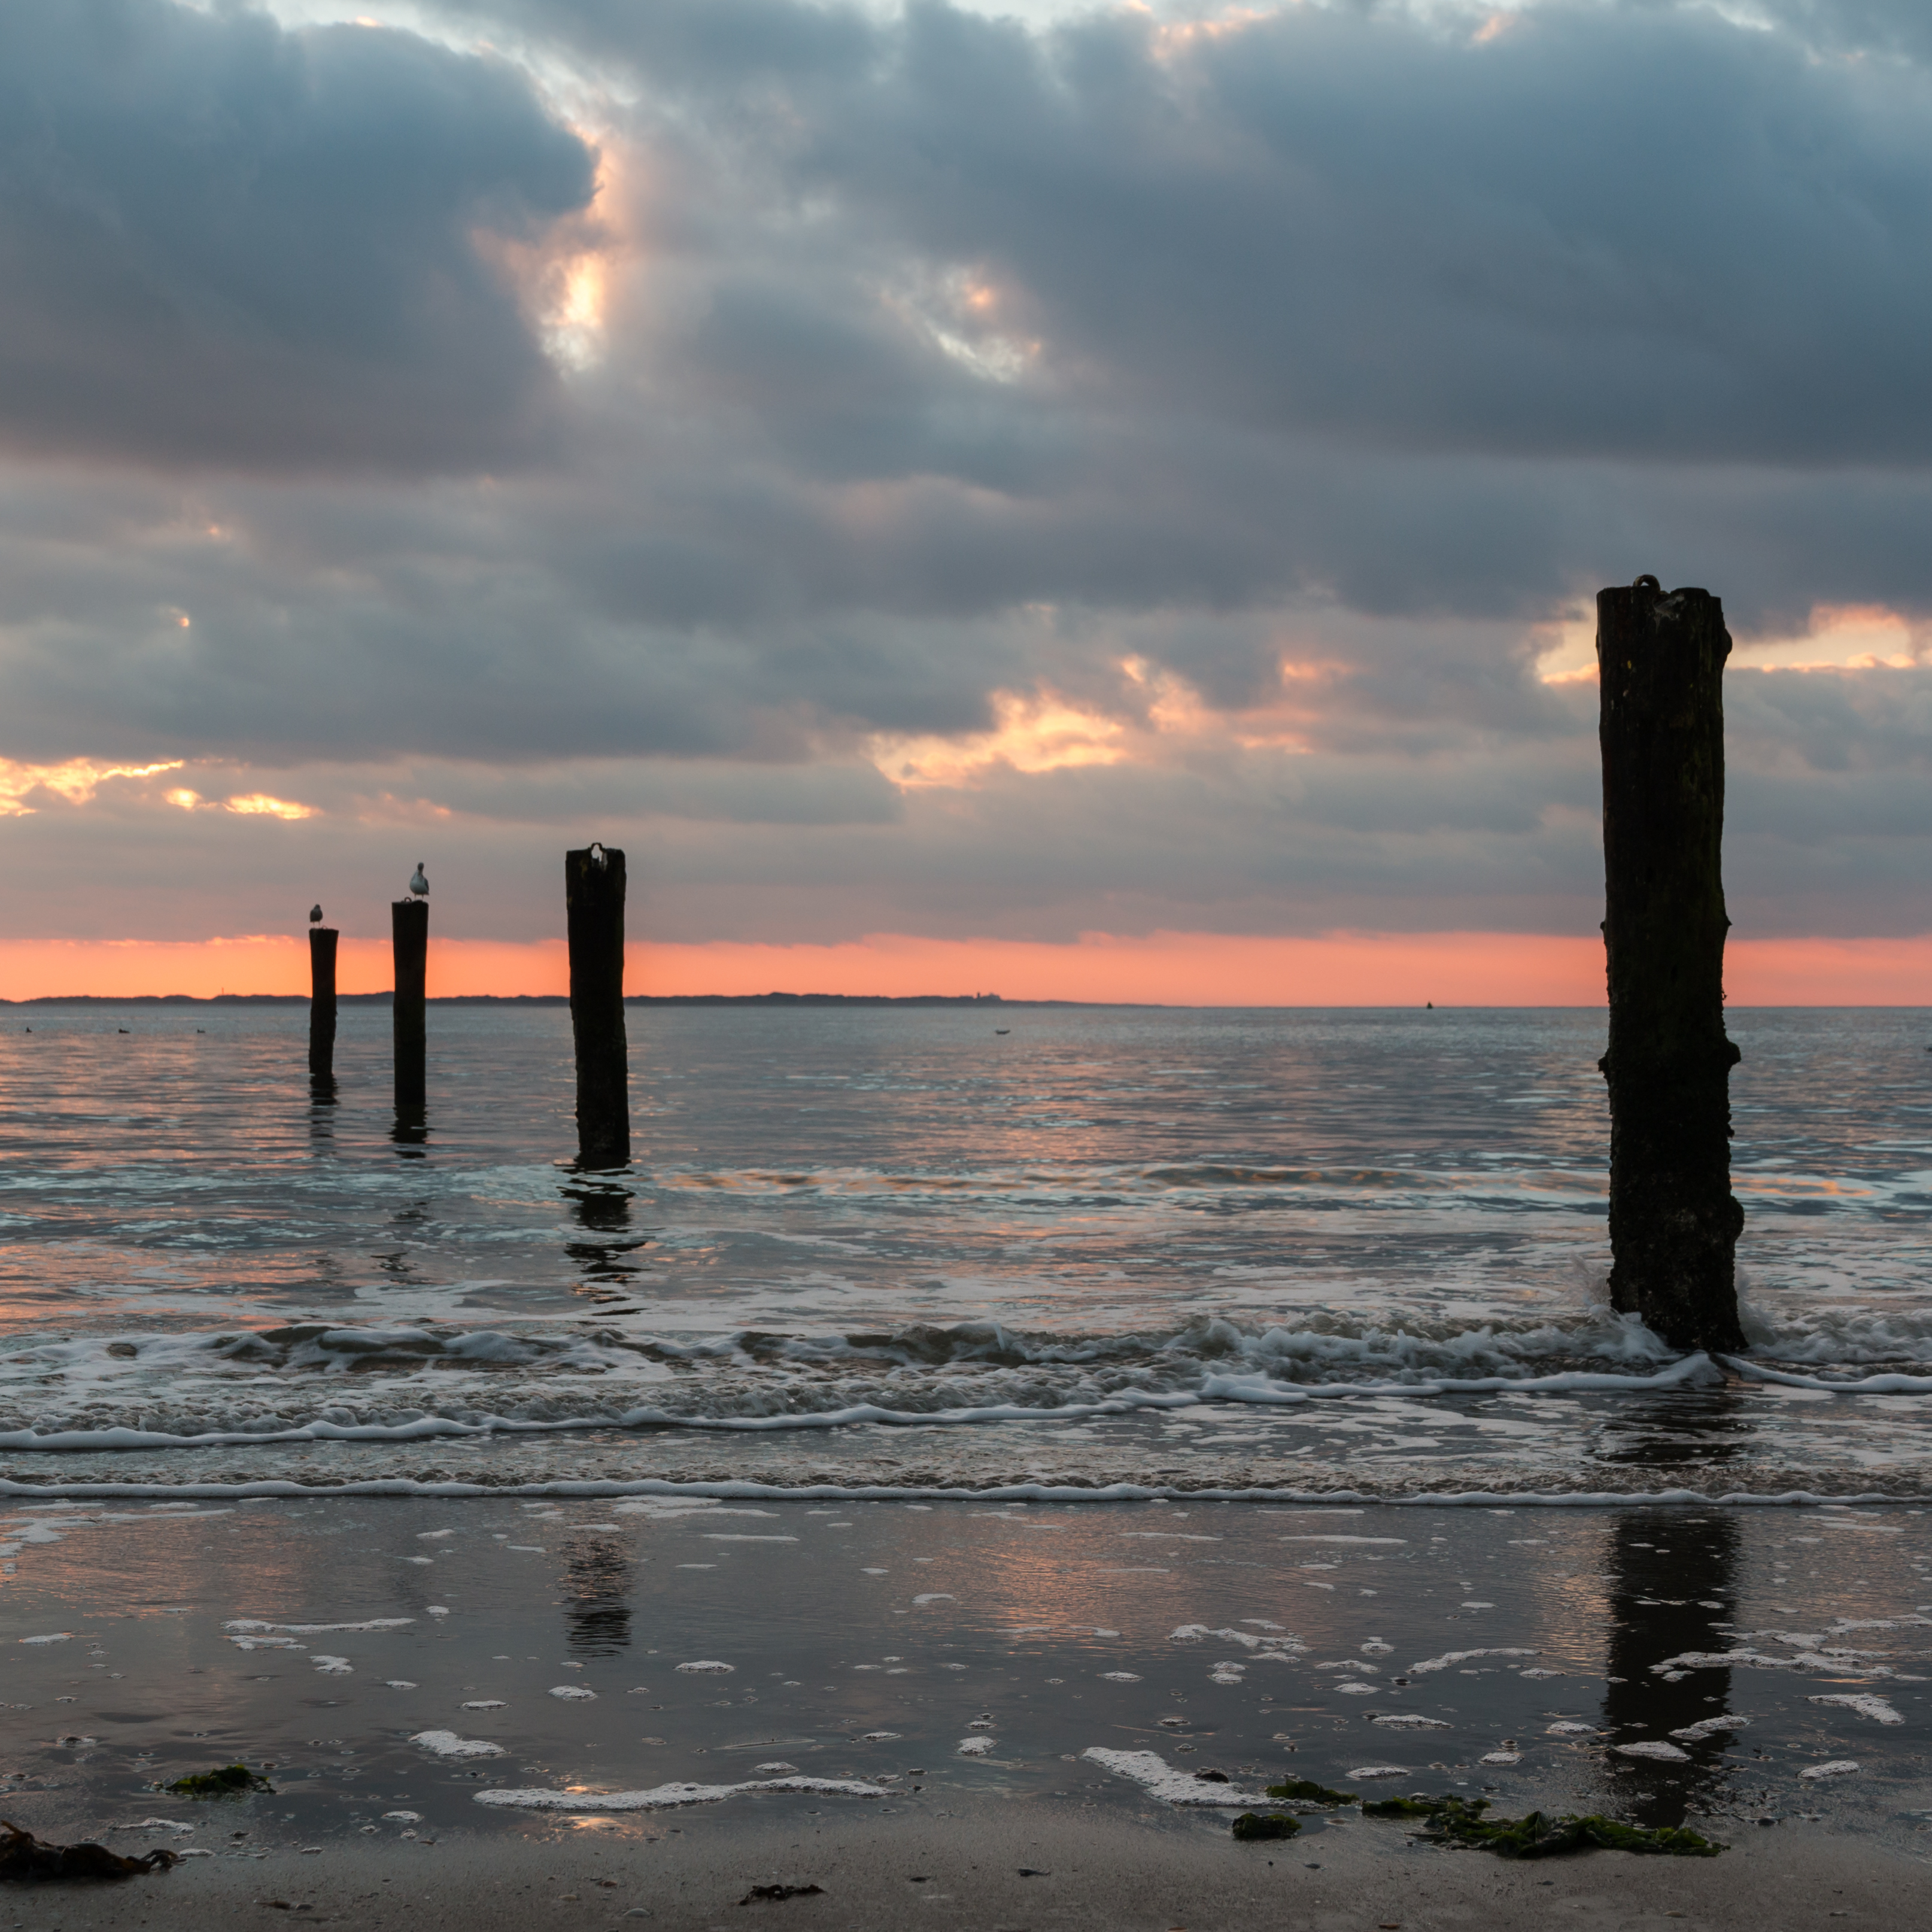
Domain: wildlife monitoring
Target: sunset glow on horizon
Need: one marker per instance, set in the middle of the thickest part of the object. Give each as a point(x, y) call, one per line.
point(1453, 969)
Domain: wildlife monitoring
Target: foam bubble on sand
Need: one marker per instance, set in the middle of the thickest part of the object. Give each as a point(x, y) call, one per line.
point(706, 1666)
point(878, 1737)
point(487, 1704)
point(778, 1767)
point(1866, 1705)
point(1153, 1772)
point(974, 1746)
point(1409, 1721)
point(665, 1796)
point(1663, 1753)
point(571, 1692)
point(402, 1817)
point(1839, 1767)
point(1449, 1657)
point(1227, 1673)
point(447, 1744)
point(1390, 1541)
point(1501, 1757)
point(1567, 1729)
point(333, 1666)
point(397, 1684)
point(319, 1629)
point(1369, 1770)
point(730, 1536)
point(937, 1597)
point(1711, 1727)
point(174, 1825)
point(1285, 1648)
point(1120, 1676)
point(53, 1636)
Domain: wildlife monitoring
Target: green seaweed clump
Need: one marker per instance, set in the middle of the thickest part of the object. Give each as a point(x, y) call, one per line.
point(1253, 1825)
point(226, 1780)
point(1306, 1791)
point(1414, 1807)
point(1460, 1821)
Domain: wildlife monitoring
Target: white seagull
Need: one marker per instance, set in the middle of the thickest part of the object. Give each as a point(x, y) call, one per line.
point(315, 915)
point(419, 883)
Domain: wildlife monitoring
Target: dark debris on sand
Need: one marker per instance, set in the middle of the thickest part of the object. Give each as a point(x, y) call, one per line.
point(23, 1856)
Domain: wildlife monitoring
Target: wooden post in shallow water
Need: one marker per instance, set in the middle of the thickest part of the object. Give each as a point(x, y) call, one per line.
point(322, 1008)
point(593, 892)
point(409, 928)
point(1674, 1223)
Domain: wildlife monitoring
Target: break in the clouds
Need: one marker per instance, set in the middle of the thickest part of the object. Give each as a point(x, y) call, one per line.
point(912, 468)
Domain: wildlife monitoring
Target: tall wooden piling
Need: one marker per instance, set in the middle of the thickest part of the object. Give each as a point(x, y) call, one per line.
point(322, 1008)
point(409, 928)
point(1674, 1223)
point(594, 908)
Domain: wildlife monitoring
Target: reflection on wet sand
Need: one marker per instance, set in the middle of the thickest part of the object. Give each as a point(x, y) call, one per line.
point(596, 1605)
point(1673, 1584)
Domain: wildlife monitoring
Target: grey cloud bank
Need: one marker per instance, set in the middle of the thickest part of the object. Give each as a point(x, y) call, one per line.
point(725, 395)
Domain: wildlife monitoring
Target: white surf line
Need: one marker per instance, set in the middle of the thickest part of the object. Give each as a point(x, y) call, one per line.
point(740, 1490)
point(1255, 1389)
point(664, 1797)
point(1153, 1773)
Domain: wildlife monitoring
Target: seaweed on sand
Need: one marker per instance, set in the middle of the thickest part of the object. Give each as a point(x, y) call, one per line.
point(1253, 1825)
point(226, 1780)
point(1461, 1822)
point(24, 1856)
point(1306, 1791)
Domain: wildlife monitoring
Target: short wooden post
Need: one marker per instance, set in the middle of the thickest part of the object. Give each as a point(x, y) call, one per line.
point(593, 881)
point(409, 927)
point(1674, 1223)
point(322, 1008)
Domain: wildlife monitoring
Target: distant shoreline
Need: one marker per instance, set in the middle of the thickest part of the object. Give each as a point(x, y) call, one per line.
point(979, 999)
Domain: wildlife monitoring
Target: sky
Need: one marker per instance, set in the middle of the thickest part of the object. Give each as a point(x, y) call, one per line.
point(1073, 501)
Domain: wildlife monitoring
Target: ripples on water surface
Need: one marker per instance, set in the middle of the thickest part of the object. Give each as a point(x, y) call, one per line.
point(1272, 1248)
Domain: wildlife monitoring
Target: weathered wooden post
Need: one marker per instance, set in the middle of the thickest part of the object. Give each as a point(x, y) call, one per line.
point(593, 885)
point(322, 1008)
point(409, 928)
point(1674, 1223)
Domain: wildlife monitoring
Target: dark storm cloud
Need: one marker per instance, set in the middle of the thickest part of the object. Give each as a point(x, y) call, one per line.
point(940, 358)
point(222, 242)
point(1630, 230)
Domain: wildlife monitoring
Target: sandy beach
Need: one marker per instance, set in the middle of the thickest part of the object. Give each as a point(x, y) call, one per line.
point(1004, 1868)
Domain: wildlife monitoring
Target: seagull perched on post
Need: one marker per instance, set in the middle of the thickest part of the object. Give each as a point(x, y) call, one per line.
point(315, 915)
point(419, 882)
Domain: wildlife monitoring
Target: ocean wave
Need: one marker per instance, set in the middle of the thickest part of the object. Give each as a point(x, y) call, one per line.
point(349, 1382)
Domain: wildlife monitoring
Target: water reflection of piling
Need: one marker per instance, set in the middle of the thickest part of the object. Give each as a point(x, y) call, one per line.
point(603, 1210)
point(322, 1009)
point(597, 1607)
point(409, 927)
point(1673, 1578)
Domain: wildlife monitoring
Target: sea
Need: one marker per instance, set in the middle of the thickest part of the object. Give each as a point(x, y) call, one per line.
point(1121, 1409)
point(940, 1249)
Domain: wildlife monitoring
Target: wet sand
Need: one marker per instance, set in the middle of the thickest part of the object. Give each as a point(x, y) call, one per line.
point(1000, 1866)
